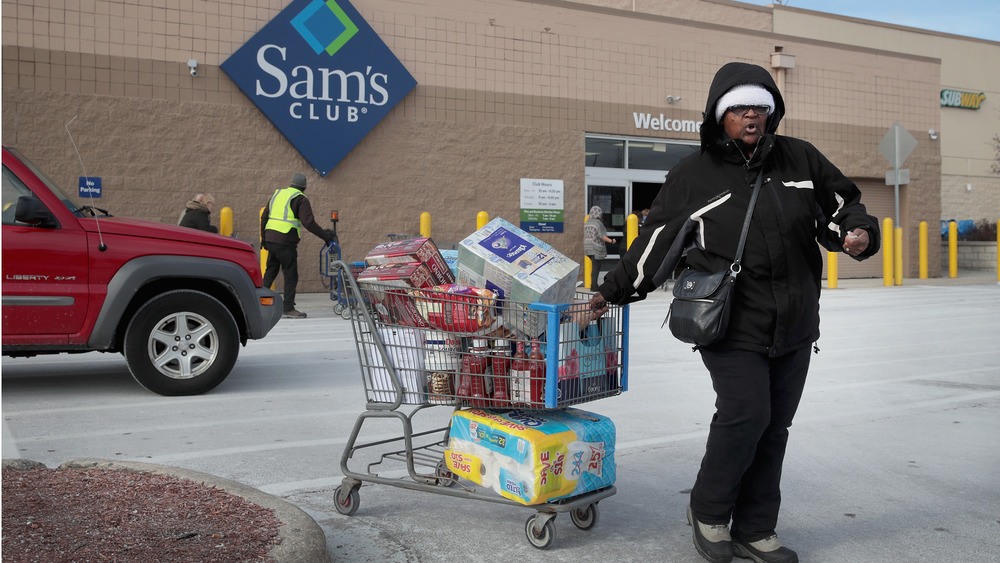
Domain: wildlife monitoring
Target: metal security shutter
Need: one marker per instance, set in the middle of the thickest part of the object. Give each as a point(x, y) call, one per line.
point(880, 202)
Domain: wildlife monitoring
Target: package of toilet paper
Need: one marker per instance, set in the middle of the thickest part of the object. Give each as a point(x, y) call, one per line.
point(533, 456)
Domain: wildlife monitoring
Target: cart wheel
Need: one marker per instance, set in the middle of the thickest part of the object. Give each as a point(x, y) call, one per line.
point(345, 313)
point(543, 540)
point(445, 476)
point(350, 506)
point(585, 518)
point(337, 308)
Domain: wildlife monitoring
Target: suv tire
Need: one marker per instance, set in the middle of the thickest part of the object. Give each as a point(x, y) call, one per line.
point(182, 342)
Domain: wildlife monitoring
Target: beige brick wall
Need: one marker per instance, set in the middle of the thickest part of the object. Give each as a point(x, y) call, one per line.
point(970, 197)
point(507, 90)
point(971, 255)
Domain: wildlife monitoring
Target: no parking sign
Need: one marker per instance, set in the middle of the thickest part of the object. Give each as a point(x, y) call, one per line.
point(90, 187)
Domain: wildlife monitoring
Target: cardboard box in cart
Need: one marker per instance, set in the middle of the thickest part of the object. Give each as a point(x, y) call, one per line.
point(518, 267)
point(413, 250)
point(396, 305)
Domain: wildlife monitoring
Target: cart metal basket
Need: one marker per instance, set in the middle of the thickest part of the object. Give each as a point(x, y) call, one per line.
point(420, 348)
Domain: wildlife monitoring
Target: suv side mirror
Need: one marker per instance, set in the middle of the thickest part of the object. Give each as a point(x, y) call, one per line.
point(30, 211)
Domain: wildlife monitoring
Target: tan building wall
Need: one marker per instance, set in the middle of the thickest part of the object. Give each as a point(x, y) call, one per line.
point(964, 135)
point(507, 89)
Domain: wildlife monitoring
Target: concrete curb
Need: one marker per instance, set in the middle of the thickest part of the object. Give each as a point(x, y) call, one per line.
point(301, 537)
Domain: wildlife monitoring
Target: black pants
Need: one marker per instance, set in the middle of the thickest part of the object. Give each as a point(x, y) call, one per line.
point(595, 271)
point(740, 476)
point(286, 258)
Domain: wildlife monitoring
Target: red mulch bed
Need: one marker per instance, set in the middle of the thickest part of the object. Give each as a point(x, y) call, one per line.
point(77, 515)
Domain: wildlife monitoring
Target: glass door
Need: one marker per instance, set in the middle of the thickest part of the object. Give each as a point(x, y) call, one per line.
point(611, 195)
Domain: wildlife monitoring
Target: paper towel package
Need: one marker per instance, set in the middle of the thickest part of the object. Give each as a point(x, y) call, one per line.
point(517, 267)
point(405, 349)
point(533, 457)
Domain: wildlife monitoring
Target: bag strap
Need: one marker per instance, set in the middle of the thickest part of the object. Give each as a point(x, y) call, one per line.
point(736, 267)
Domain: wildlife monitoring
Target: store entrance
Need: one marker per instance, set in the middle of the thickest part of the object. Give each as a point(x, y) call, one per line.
point(624, 176)
point(643, 194)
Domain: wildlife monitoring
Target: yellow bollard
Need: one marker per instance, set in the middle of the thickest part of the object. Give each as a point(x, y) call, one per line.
point(425, 224)
point(922, 245)
point(263, 253)
point(481, 219)
point(631, 229)
point(831, 270)
point(226, 221)
point(887, 252)
point(897, 254)
point(588, 265)
point(952, 249)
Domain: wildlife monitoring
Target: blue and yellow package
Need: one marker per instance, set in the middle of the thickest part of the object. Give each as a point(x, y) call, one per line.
point(533, 456)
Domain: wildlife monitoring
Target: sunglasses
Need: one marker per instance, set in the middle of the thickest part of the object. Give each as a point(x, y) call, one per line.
point(743, 110)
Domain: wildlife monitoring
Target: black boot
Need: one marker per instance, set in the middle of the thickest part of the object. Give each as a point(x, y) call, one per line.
point(712, 541)
point(767, 550)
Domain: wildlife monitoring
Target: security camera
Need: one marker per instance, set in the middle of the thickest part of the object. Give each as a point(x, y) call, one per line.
point(193, 65)
point(933, 134)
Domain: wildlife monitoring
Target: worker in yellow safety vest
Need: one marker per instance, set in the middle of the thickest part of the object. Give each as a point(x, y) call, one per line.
point(280, 227)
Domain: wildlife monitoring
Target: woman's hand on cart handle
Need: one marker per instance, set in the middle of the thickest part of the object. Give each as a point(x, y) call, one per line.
point(598, 305)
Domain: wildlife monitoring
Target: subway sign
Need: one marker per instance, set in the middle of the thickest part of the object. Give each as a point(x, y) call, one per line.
point(322, 76)
point(956, 99)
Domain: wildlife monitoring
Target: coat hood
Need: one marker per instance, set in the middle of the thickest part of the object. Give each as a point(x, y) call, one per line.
point(728, 77)
point(196, 205)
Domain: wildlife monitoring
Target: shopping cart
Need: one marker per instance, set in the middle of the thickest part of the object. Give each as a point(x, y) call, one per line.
point(422, 348)
point(329, 255)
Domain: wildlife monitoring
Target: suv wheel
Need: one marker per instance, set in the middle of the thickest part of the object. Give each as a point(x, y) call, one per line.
point(181, 343)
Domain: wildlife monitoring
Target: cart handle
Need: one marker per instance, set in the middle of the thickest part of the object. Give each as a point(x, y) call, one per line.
point(554, 313)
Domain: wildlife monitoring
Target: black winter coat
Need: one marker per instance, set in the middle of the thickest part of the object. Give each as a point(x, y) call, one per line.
point(198, 218)
point(699, 212)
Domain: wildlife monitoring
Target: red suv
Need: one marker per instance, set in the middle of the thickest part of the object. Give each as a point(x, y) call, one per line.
point(177, 302)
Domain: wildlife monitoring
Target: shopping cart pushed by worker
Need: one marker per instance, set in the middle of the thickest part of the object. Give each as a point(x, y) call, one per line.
point(333, 277)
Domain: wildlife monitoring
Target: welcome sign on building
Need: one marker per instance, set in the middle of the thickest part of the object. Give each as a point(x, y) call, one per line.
point(322, 76)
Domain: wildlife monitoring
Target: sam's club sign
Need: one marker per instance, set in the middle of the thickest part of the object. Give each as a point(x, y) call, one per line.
point(322, 76)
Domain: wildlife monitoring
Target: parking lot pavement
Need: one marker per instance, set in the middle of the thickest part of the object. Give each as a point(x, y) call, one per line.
point(892, 456)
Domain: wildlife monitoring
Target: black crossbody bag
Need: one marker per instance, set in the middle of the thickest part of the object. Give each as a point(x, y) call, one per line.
point(699, 313)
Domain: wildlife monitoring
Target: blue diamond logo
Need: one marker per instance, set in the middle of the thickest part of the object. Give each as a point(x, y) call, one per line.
point(324, 26)
point(322, 76)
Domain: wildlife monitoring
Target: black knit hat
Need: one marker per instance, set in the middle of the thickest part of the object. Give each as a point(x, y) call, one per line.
point(298, 181)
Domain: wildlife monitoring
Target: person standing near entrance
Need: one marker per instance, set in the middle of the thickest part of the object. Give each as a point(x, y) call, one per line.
point(595, 235)
point(280, 226)
point(758, 369)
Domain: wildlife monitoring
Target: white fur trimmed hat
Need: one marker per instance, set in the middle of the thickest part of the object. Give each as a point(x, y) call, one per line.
point(743, 95)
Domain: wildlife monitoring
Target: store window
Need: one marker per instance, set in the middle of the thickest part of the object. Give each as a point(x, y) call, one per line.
point(652, 155)
point(636, 154)
point(606, 153)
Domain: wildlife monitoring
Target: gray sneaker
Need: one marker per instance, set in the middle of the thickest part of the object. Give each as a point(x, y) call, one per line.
point(293, 314)
point(713, 542)
point(767, 550)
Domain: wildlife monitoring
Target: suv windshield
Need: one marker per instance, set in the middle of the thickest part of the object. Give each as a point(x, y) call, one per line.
point(77, 210)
